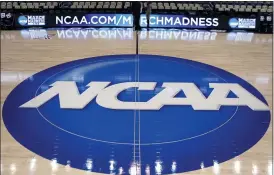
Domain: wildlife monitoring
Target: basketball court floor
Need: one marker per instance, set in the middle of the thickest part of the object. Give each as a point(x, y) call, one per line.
point(27, 52)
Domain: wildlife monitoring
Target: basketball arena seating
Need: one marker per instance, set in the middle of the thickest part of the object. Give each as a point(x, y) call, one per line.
point(162, 7)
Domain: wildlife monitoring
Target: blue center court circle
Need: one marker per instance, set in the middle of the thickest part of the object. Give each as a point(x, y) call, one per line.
point(174, 133)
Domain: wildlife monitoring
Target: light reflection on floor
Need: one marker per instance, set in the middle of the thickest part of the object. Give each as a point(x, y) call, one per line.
point(127, 34)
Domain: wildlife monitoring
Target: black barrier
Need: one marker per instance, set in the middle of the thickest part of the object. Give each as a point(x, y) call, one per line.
point(7, 20)
point(221, 22)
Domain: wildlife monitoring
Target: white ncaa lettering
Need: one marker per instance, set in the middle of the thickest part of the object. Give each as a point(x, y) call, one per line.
point(245, 98)
point(69, 96)
point(108, 97)
point(194, 97)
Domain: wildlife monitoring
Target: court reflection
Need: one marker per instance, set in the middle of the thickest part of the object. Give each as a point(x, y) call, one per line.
point(128, 34)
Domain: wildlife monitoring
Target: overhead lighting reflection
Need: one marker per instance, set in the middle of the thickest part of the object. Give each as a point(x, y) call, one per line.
point(89, 164)
point(216, 167)
point(78, 78)
point(211, 79)
point(269, 168)
point(123, 77)
point(13, 168)
point(254, 169)
point(32, 165)
point(237, 167)
point(67, 167)
point(54, 165)
point(121, 170)
point(134, 169)
point(15, 77)
point(147, 170)
point(202, 165)
point(262, 80)
point(112, 165)
point(158, 167)
point(173, 167)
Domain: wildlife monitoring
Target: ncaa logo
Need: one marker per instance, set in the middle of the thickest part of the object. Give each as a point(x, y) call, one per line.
point(22, 20)
point(233, 22)
point(104, 113)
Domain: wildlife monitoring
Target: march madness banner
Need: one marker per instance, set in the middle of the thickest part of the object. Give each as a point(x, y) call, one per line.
point(126, 20)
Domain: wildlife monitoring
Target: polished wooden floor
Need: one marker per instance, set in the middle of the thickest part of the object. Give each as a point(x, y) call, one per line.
point(246, 55)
